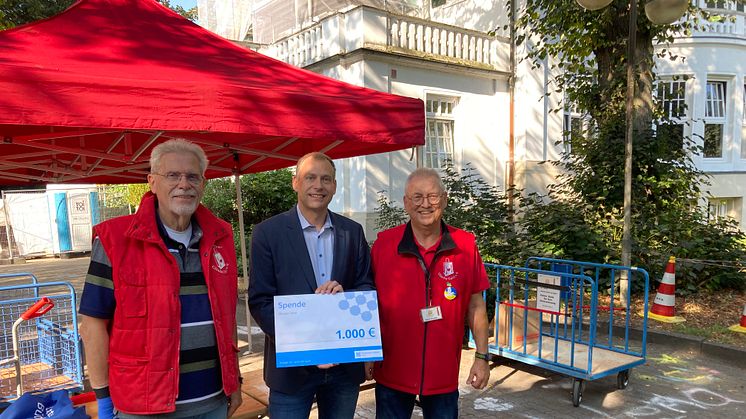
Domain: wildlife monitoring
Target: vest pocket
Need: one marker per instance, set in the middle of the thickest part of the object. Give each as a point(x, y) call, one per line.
point(133, 298)
point(126, 383)
point(134, 302)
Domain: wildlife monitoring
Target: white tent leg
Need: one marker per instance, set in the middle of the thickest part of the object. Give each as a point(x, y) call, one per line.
point(244, 261)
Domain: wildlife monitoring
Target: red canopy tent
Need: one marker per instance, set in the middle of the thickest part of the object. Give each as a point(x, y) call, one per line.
point(86, 94)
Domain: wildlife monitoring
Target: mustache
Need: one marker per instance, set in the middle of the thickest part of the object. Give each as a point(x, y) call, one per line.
point(190, 192)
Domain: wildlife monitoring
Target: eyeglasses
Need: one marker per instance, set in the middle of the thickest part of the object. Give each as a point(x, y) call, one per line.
point(433, 198)
point(175, 177)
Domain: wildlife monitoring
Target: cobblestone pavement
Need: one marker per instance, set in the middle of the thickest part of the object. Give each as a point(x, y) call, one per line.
point(673, 384)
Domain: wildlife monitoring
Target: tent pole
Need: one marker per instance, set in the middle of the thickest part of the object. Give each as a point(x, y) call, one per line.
point(244, 262)
point(7, 227)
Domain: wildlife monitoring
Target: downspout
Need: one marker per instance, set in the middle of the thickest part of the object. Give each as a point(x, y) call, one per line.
point(511, 115)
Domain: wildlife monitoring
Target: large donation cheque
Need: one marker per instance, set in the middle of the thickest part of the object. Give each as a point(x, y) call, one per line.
point(314, 329)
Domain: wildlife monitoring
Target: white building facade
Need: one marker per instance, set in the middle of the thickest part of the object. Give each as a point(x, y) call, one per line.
point(441, 54)
point(711, 81)
point(481, 105)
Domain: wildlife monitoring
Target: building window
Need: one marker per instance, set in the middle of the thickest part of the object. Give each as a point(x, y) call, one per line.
point(572, 126)
point(672, 96)
point(722, 208)
point(672, 99)
point(440, 125)
point(714, 119)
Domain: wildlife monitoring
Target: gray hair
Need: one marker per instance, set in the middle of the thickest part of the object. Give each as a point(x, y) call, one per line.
point(426, 172)
point(316, 156)
point(181, 146)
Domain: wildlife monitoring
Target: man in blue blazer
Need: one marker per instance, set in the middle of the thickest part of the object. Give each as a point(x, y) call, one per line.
point(306, 250)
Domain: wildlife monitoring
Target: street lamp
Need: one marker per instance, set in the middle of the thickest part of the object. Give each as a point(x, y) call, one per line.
point(660, 12)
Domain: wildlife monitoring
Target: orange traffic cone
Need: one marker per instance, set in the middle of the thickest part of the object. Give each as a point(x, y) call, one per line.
point(664, 304)
point(742, 326)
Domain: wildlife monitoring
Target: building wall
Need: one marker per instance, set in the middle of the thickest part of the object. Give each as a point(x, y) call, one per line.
point(715, 57)
point(718, 54)
point(480, 120)
point(538, 125)
point(482, 134)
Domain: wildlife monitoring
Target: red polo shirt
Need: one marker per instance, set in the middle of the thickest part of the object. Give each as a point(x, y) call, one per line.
point(424, 358)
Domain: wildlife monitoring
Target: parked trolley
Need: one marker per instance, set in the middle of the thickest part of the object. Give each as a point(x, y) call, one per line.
point(39, 340)
point(547, 314)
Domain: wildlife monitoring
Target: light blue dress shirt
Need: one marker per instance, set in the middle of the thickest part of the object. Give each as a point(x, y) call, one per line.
point(320, 246)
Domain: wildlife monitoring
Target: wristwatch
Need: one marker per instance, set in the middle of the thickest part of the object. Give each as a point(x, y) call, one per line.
point(479, 355)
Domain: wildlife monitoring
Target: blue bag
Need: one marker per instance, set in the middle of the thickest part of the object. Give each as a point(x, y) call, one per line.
point(55, 405)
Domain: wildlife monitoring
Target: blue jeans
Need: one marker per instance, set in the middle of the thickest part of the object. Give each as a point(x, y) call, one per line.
point(336, 397)
point(394, 404)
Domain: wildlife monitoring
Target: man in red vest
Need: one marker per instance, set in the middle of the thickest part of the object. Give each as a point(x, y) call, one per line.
point(159, 304)
point(429, 277)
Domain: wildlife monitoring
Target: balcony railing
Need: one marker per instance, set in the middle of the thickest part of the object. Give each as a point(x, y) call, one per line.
point(437, 40)
point(732, 18)
point(365, 27)
point(730, 27)
point(301, 49)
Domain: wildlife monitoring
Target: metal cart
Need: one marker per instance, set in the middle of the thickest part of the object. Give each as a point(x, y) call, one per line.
point(548, 317)
point(40, 350)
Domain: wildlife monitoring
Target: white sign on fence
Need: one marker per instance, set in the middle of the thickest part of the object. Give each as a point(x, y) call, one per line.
point(548, 298)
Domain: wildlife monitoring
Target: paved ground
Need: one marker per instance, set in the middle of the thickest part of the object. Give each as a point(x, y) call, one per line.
point(673, 384)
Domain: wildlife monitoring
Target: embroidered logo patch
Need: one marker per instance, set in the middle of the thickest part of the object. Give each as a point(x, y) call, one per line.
point(219, 263)
point(448, 271)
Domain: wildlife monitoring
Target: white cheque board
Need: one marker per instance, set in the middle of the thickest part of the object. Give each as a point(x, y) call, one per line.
point(313, 329)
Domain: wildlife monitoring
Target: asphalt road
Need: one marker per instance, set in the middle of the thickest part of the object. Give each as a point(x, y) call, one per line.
point(674, 383)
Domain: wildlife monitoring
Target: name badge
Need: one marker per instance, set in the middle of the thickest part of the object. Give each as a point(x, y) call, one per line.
point(429, 314)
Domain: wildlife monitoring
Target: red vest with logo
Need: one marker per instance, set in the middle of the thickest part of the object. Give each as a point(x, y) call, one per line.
point(144, 333)
point(423, 358)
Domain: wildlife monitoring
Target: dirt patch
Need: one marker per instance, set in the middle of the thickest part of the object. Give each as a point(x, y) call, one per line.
point(707, 315)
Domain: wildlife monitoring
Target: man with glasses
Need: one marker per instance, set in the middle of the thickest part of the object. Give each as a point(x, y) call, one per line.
point(307, 250)
point(429, 277)
point(158, 308)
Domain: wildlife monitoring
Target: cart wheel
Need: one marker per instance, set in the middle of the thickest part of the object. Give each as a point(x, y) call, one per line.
point(622, 379)
point(577, 392)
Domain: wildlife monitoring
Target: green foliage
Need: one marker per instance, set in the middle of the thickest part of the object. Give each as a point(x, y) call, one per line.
point(589, 51)
point(263, 194)
point(19, 12)
point(190, 14)
point(388, 214)
point(121, 199)
point(561, 229)
point(581, 218)
point(711, 254)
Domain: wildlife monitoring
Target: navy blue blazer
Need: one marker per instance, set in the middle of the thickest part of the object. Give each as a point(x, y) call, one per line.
point(280, 265)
